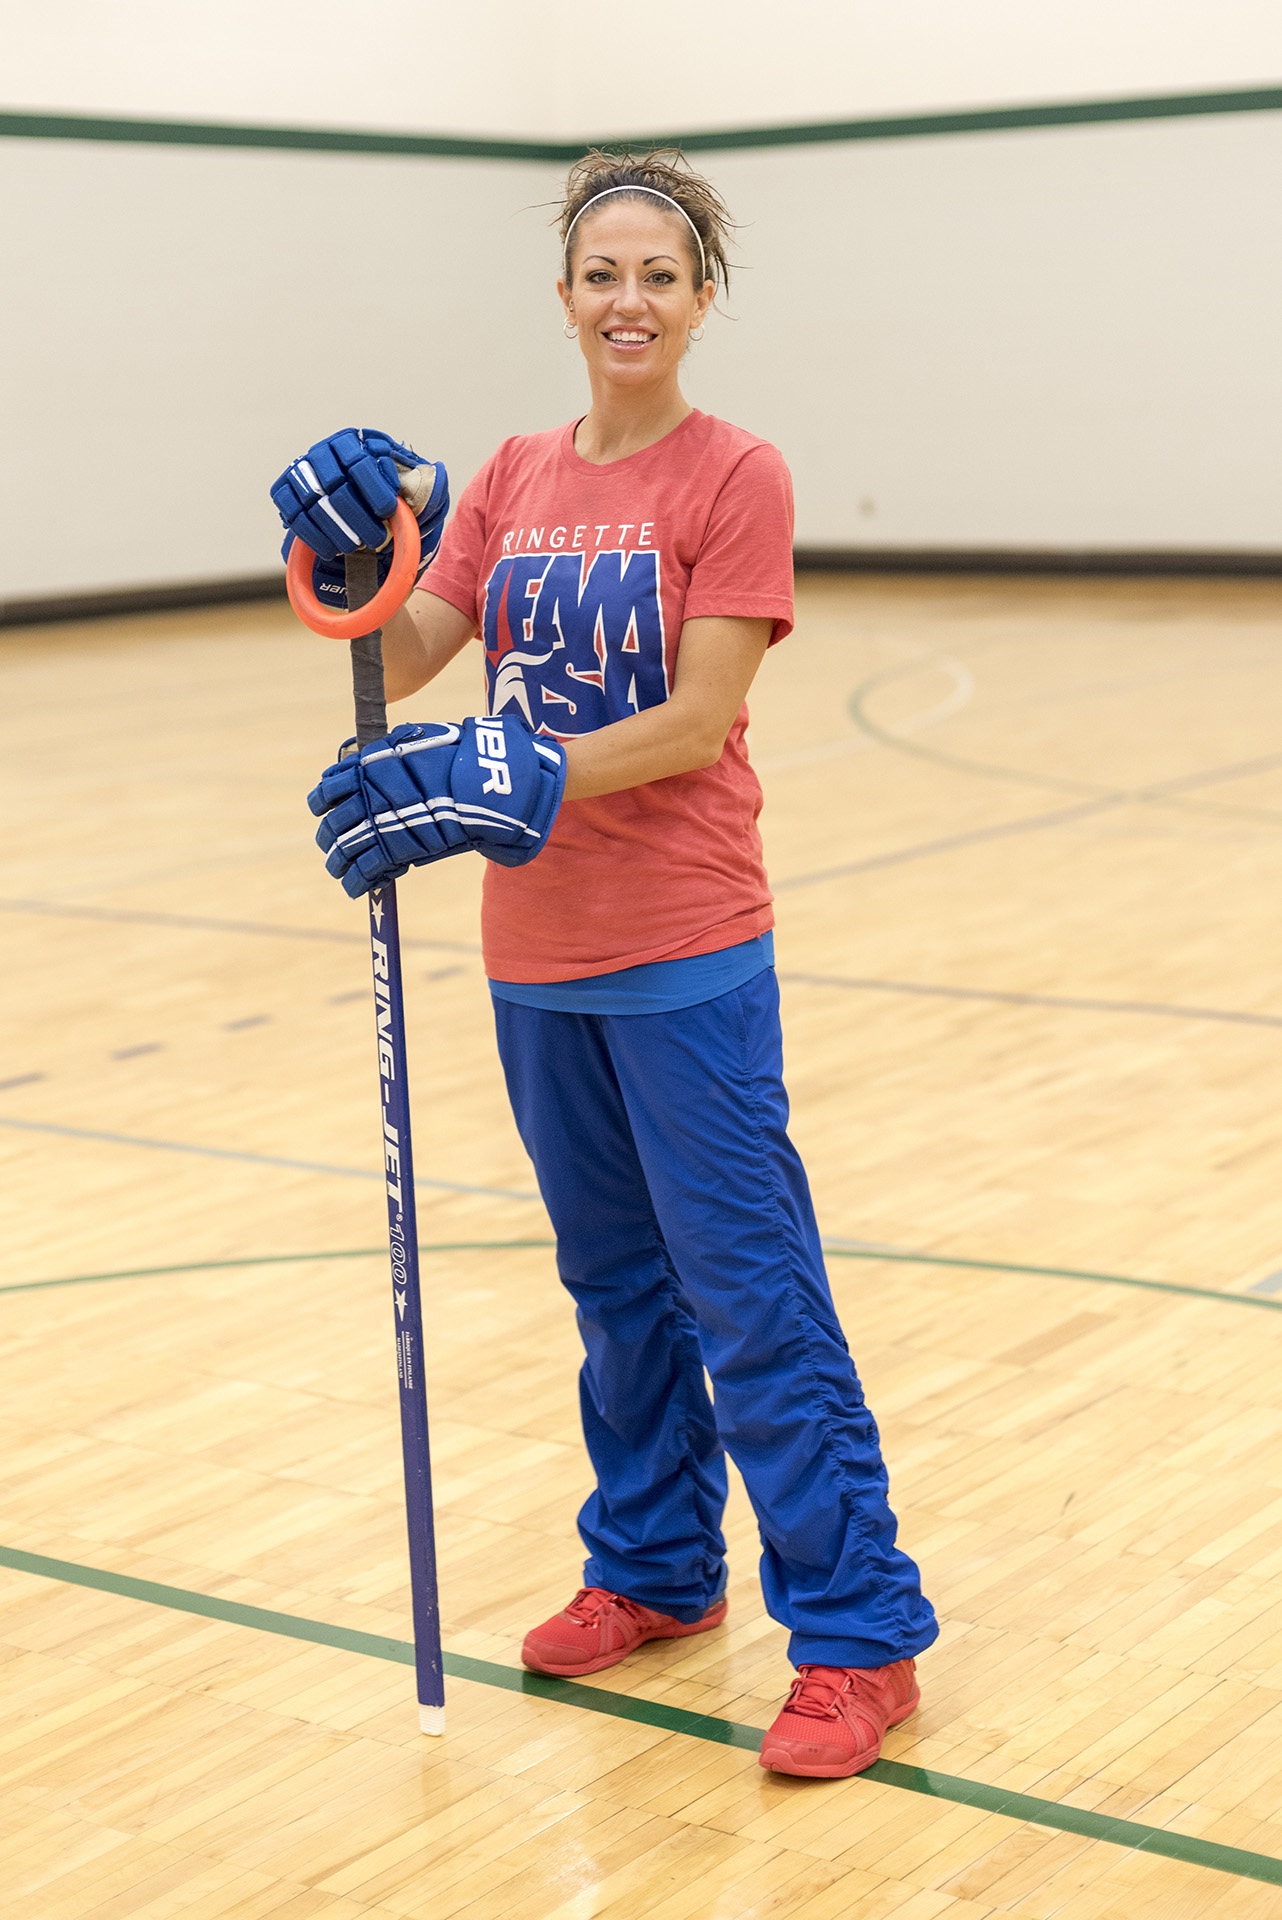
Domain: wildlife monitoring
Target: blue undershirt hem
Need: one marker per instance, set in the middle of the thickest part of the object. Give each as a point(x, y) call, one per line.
point(661, 986)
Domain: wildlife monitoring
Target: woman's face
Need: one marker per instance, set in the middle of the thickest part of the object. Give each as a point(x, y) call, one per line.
point(633, 296)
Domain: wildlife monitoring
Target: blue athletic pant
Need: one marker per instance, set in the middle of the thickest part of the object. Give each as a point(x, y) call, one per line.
point(686, 1235)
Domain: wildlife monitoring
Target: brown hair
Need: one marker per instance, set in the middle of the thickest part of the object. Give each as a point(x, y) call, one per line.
point(662, 170)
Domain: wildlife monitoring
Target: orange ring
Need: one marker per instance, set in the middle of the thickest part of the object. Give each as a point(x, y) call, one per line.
point(391, 596)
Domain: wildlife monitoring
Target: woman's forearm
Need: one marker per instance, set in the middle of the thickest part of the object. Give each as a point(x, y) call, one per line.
point(403, 664)
point(646, 746)
point(715, 666)
point(717, 660)
point(419, 640)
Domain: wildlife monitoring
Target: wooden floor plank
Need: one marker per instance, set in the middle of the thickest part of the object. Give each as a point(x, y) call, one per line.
point(1087, 1472)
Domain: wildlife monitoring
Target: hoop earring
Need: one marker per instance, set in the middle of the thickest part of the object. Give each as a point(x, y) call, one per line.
point(571, 333)
point(693, 335)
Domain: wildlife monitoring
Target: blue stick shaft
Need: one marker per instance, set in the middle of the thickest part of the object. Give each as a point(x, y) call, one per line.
point(398, 1159)
point(402, 1237)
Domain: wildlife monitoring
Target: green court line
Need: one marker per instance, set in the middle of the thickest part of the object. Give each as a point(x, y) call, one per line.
point(908, 1258)
point(653, 1713)
point(900, 126)
point(1057, 1273)
point(1158, 793)
point(112, 1139)
point(262, 1260)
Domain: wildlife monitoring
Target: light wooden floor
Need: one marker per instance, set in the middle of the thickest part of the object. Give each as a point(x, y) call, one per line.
point(1071, 792)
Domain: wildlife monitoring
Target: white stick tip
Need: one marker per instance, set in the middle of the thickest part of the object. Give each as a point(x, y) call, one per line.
point(431, 1719)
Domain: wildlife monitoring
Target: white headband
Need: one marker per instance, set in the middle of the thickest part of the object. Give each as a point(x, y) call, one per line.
point(605, 191)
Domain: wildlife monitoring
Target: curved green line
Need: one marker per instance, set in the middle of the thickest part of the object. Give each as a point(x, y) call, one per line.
point(951, 1787)
point(1057, 1273)
point(1102, 796)
point(936, 755)
point(907, 1257)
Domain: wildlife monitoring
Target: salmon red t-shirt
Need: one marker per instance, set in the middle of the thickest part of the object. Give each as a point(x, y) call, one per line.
point(579, 578)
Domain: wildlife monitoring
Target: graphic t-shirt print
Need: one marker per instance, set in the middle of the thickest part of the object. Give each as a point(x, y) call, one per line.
point(573, 627)
point(580, 580)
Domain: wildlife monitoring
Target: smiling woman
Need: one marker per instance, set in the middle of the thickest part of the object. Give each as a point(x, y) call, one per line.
point(625, 574)
point(643, 247)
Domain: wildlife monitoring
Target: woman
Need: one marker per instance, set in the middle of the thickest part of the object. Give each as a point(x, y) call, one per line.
point(626, 574)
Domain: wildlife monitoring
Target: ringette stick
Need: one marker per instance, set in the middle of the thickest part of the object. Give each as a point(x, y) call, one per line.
point(398, 1160)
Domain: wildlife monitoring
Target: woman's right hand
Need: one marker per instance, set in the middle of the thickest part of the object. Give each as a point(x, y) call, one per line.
point(338, 495)
point(430, 790)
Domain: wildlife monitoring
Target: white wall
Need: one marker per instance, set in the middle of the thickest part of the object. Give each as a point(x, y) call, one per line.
point(1052, 338)
point(560, 69)
point(193, 318)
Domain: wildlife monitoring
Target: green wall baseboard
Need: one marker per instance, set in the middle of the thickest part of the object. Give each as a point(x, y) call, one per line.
point(1050, 561)
point(431, 146)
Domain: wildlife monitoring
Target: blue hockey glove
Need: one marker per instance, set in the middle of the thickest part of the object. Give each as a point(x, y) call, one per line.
point(432, 790)
point(338, 495)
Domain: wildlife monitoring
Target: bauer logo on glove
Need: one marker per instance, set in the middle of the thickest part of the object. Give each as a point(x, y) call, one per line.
point(428, 791)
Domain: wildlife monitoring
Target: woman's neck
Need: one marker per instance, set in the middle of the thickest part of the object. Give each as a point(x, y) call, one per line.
point(619, 424)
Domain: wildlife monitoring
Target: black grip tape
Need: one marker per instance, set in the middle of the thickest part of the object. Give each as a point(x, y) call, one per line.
point(361, 571)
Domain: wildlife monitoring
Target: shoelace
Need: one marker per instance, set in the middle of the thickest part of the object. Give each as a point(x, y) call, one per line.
point(816, 1698)
point(590, 1602)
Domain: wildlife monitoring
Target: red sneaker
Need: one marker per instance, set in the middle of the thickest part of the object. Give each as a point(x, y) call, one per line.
point(834, 1720)
point(598, 1629)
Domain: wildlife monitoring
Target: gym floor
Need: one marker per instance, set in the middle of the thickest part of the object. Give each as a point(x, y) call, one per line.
point(1025, 841)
